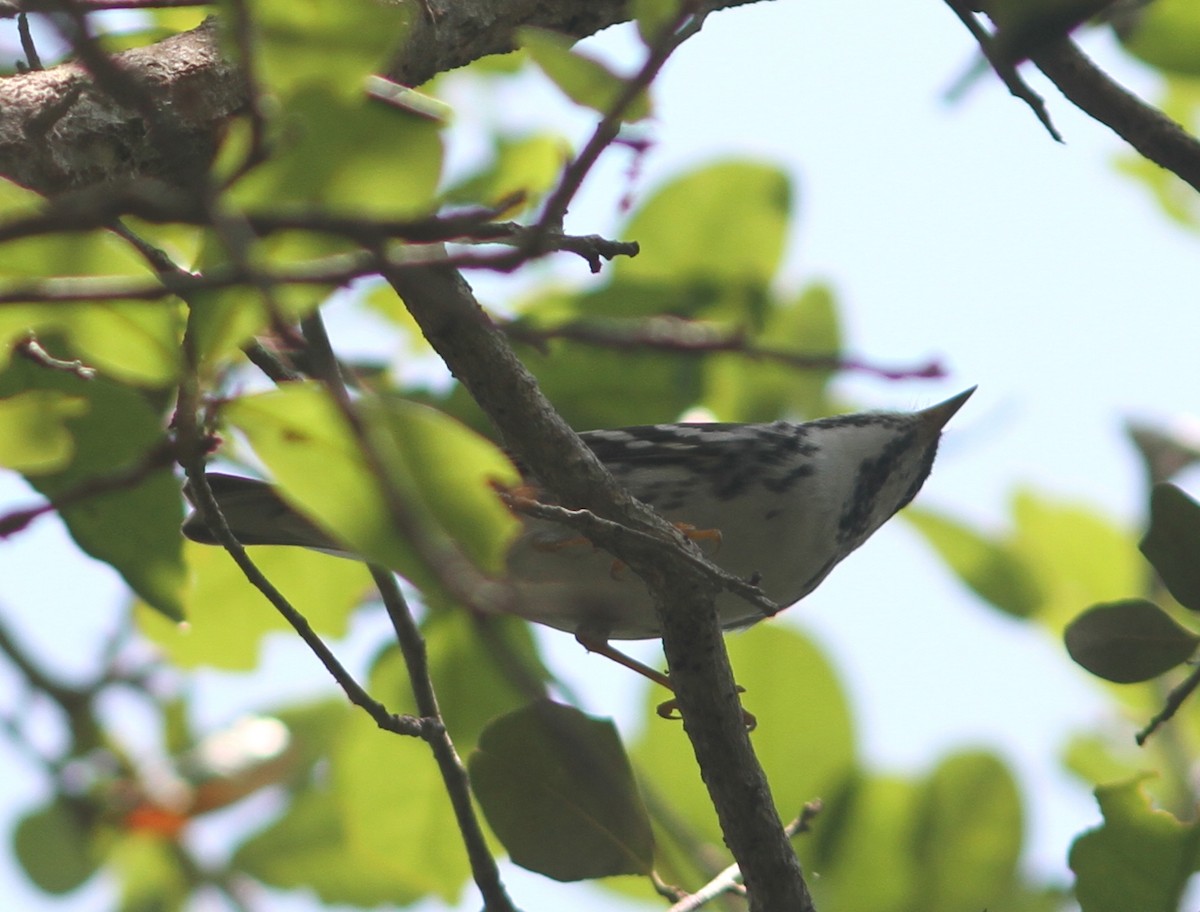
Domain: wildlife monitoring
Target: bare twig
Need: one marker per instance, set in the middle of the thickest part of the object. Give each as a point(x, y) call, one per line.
point(730, 880)
point(32, 59)
point(1175, 699)
point(454, 775)
point(685, 337)
point(1151, 132)
point(30, 348)
point(1004, 66)
point(614, 537)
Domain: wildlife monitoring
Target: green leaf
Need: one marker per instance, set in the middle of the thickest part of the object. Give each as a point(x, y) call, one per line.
point(867, 825)
point(335, 45)
point(150, 872)
point(583, 79)
point(1140, 858)
point(53, 847)
point(1128, 641)
point(1172, 543)
point(1076, 555)
point(722, 225)
point(307, 849)
point(394, 810)
point(653, 17)
point(529, 165)
point(557, 788)
point(1166, 35)
point(442, 471)
point(968, 833)
point(134, 528)
point(749, 389)
point(228, 618)
point(355, 156)
point(992, 568)
point(34, 437)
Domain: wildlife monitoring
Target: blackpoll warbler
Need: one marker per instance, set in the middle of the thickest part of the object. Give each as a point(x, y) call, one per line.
point(780, 504)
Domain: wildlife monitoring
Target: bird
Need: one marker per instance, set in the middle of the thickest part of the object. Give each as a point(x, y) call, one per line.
point(779, 504)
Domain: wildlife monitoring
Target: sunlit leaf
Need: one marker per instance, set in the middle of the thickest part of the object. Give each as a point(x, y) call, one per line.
point(335, 45)
point(738, 208)
point(394, 810)
point(990, 566)
point(34, 437)
point(1139, 858)
point(353, 155)
point(557, 788)
point(1166, 35)
point(968, 834)
point(443, 472)
point(1128, 641)
point(227, 618)
point(1172, 543)
point(134, 527)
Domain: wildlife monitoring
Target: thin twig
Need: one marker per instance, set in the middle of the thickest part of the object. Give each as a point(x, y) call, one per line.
point(211, 510)
point(454, 774)
point(30, 348)
point(730, 880)
point(1004, 67)
point(686, 337)
point(32, 59)
point(614, 537)
point(1175, 699)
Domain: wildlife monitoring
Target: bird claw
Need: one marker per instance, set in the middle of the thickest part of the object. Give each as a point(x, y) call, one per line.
point(669, 709)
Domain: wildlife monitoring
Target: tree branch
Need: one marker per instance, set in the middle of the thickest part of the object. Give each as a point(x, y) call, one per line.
point(476, 353)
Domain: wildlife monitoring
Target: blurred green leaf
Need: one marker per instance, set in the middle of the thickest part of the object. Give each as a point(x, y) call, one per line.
point(724, 225)
point(653, 17)
point(307, 849)
point(1139, 858)
point(529, 165)
point(1172, 543)
point(228, 617)
point(150, 872)
point(866, 825)
point(394, 811)
point(748, 389)
point(34, 437)
point(992, 568)
point(968, 833)
point(355, 156)
point(134, 528)
point(1077, 556)
point(602, 388)
point(583, 79)
point(53, 847)
point(1128, 641)
point(1165, 34)
point(557, 788)
point(442, 471)
point(334, 45)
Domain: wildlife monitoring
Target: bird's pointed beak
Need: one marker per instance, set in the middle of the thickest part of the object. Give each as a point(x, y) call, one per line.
point(936, 416)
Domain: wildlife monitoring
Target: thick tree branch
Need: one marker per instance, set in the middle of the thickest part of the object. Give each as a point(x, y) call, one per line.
point(1151, 132)
point(477, 354)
